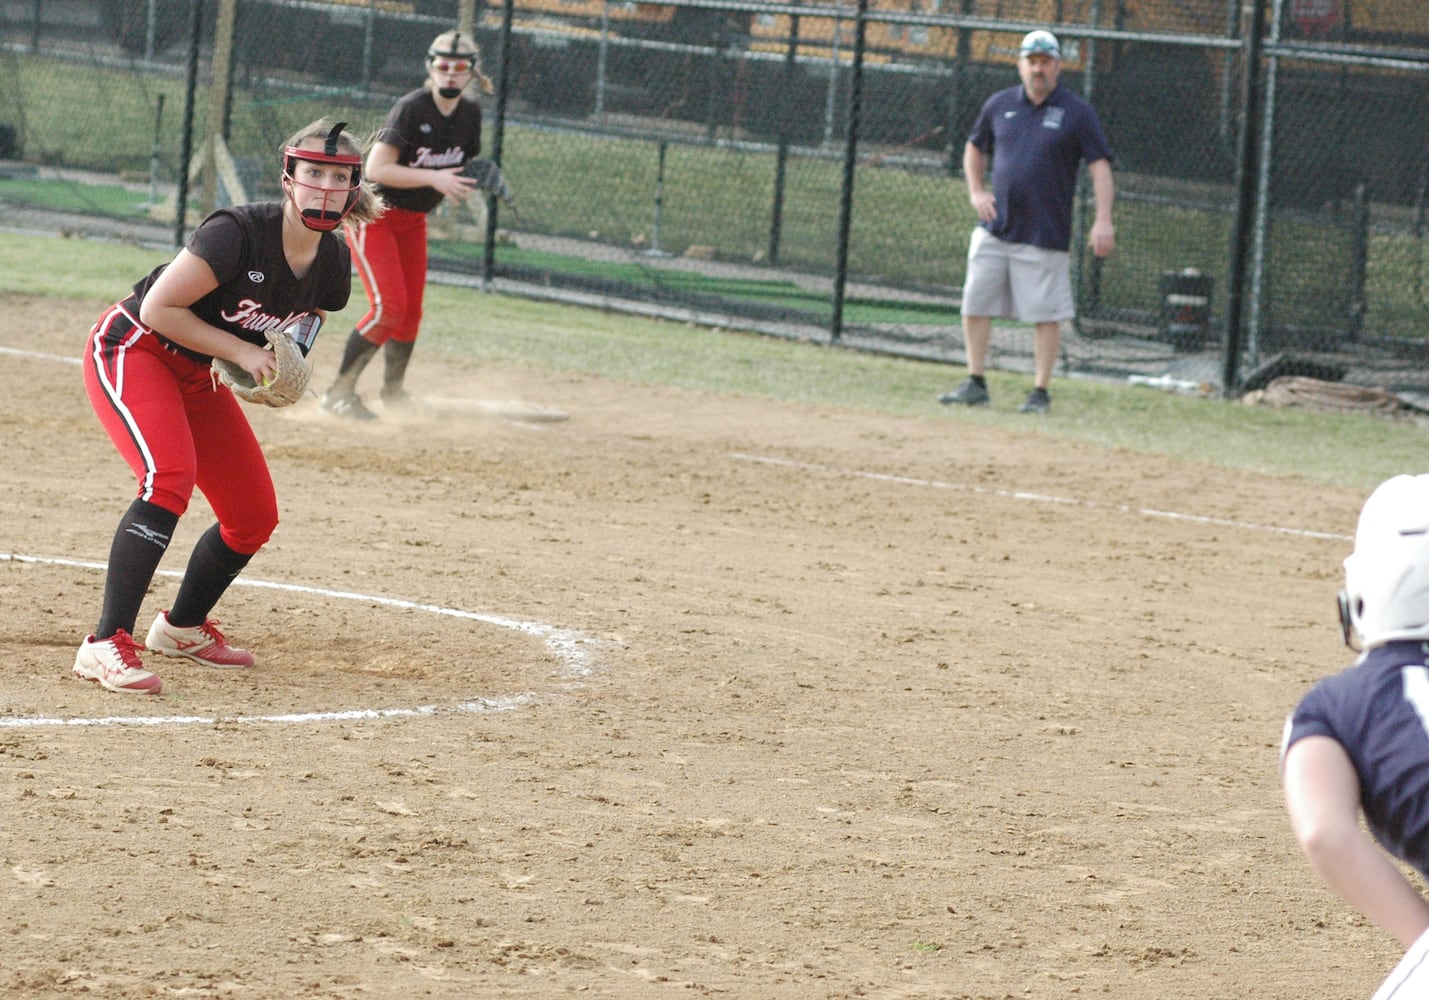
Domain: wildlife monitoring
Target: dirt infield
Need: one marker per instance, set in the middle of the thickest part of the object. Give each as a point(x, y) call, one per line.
point(690, 696)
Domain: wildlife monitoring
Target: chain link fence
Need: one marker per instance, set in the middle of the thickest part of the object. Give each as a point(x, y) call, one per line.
point(795, 167)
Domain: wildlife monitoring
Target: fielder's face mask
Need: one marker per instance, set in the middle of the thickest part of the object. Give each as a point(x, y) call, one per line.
point(458, 59)
point(336, 202)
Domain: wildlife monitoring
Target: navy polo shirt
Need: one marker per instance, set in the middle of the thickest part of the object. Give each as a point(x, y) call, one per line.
point(1377, 711)
point(1035, 151)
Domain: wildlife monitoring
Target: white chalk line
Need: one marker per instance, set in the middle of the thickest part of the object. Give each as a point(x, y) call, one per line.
point(1042, 498)
point(37, 355)
point(570, 647)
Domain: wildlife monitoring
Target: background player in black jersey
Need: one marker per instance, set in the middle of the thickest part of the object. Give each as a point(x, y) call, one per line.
point(1358, 743)
point(246, 270)
point(416, 161)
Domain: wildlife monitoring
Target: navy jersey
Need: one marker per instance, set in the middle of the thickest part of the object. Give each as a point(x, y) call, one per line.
point(428, 140)
point(257, 291)
point(1036, 150)
point(1378, 711)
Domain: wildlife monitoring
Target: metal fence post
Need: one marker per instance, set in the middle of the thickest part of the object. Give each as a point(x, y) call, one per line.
point(655, 250)
point(1260, 227)
point(958, 95)
point(369, 27)
point(181, 205)
point(855, 101)
point(1246, 156)
point(503, 76)
point(831, 97)
point(1079, 262)
point(601, 60)
point(712, 88)
point(155, 151)
point(151, 29)
point(1358, 297)
point(781, 154)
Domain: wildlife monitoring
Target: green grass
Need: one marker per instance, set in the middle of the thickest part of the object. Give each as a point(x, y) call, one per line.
point(111, 200)
point(1355, 450)
point(814, 304)
point(72, 268)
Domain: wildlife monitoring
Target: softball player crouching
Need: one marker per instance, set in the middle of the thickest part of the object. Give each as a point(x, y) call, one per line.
point(247, 270)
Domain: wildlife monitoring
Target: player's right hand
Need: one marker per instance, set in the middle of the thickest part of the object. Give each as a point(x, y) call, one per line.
point(452, 183)
point(260, 363)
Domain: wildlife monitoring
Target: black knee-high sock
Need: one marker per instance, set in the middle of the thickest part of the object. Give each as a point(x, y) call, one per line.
point(395, 357)
point(139, 544)
point(212, 567)
point(355, 355)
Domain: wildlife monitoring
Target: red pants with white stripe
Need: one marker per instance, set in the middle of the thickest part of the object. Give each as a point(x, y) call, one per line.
point(391, 259)
point(178, 431)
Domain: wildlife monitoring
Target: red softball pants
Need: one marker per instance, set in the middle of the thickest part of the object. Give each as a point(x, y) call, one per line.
point(178, 431)
point(391, 259)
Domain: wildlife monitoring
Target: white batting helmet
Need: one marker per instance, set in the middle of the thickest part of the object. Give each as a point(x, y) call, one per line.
point(1386, 595)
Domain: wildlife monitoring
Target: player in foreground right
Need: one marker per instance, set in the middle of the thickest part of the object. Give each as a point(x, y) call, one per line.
point(1359, 740)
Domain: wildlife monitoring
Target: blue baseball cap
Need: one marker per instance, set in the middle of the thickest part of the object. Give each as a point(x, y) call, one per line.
point(1042, 43)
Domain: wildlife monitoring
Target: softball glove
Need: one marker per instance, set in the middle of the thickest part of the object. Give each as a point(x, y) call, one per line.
point(489, 178)
point(284, 388)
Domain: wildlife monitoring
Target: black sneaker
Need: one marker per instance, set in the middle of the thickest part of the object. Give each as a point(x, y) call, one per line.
point(1037, 402)
point(970, 393)
point(348, 406)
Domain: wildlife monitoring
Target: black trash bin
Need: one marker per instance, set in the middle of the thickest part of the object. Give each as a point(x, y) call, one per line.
point(1185, 308)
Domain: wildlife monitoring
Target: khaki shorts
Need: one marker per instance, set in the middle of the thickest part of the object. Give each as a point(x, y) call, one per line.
point(1017, 281)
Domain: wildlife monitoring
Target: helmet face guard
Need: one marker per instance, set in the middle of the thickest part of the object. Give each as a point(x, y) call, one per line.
point(336, 203)
point(457, 52)
point(1347, 622)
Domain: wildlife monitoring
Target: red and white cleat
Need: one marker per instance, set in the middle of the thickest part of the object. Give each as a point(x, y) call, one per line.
point(114, 663)
point(201, 643)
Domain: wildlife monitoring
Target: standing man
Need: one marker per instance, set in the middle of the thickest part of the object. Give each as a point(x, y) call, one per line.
point(1019, 265)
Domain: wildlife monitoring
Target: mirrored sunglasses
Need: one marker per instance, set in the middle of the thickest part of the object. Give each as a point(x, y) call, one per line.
point(452, 65)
